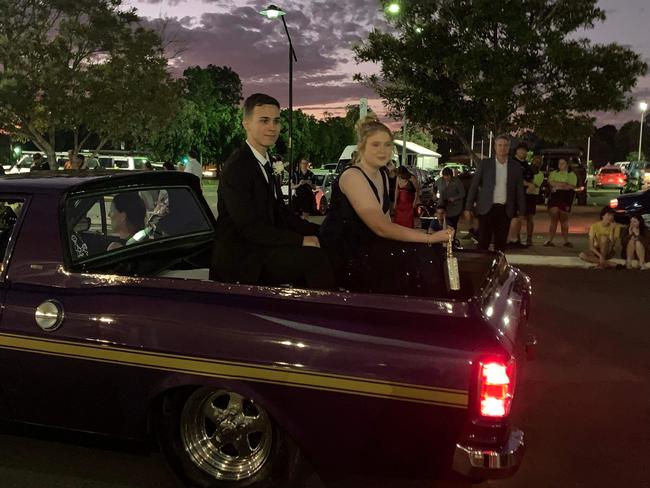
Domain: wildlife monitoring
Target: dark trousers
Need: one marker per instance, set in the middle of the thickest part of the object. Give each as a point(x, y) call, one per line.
point(300, 266)
point(453, 221)
point(495, 223)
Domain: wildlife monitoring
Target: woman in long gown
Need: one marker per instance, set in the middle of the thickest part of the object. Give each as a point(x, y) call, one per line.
point(370, 253)
point(407, 196)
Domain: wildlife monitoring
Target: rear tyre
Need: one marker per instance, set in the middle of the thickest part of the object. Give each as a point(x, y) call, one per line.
point(214, 438)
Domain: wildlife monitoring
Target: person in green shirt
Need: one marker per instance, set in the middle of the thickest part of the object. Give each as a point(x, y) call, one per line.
point(563, 184)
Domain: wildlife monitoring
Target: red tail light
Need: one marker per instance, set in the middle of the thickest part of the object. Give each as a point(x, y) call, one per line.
point(496, 387)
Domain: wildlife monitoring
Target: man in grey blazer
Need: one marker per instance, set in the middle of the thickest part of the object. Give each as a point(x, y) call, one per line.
point(498, 191)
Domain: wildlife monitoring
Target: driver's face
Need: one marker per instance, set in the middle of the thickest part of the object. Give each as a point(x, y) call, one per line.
point(117, 218)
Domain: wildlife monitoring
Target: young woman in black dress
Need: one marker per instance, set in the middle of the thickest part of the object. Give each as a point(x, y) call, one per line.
point(368, 251)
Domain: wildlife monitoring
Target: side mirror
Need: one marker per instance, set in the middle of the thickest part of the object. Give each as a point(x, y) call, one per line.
point(82, 225)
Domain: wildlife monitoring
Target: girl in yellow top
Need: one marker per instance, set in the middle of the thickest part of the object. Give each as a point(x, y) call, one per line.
point(563, 184)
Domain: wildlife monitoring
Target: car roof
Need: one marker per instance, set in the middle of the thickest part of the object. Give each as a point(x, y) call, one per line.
point(59, 182)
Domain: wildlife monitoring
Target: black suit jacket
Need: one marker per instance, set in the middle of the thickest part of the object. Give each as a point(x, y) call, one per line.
point(251, 222)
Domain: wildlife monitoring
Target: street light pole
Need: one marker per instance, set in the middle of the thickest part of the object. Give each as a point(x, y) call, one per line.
point(273, 12)
point(643, 106)
point(404, 122)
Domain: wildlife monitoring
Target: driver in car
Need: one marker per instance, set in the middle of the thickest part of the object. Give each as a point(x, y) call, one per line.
point(127, 216)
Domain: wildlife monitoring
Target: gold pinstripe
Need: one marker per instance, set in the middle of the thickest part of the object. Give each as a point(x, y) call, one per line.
point(232, 370)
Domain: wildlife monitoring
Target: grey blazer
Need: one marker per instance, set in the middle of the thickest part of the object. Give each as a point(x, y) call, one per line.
point(483, 184)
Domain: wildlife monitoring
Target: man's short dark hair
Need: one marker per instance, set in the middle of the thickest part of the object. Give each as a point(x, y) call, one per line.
point(38, 156)
point(447, 171)
point(505, 137)
point(256, 100)
point(131, 204)
point(193, 154)
point(521, 145)
point(606, 210)
point(81, 157)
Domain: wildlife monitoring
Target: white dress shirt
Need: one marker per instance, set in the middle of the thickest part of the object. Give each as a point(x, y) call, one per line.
point(500, 183)
point(194, 167)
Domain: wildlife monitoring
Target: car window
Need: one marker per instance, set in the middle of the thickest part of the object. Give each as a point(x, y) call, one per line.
point(138, 163)
point(121, 163)
point(106, 162)
point(610, 170)
point(318, 180)
point(9, 212)
point(99, 224)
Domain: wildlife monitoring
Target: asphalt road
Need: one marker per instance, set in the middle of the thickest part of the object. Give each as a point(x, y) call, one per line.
point(584, 404)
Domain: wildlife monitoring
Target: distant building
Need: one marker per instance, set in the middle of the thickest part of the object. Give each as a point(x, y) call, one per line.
point(417, 156)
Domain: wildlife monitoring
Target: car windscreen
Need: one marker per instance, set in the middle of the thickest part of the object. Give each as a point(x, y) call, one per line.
point(606, 171)
point(104, 223)
point(318, 180)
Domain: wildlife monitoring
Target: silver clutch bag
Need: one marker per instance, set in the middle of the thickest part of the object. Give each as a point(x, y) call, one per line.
point(452, 276)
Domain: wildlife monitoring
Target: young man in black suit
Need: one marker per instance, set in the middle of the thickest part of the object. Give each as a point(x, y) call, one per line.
point(258, 240)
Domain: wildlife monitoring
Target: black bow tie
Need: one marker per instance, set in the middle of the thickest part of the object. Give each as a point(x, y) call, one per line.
point(269, 174)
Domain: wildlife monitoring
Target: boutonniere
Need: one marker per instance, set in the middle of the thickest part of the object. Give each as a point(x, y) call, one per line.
point(278, 168)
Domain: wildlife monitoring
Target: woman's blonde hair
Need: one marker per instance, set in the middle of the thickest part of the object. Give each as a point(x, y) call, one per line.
point(366, 127)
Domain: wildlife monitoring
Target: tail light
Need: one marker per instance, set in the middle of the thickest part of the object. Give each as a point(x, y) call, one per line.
point(613, 202)
point(496, 387)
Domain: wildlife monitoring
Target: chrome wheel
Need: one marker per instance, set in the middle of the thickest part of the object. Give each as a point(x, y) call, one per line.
point(226, 435)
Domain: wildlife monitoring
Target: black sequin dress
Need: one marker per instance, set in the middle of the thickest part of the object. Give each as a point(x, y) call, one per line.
point(366, 263)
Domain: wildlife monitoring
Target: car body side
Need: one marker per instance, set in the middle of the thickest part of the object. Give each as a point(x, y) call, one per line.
point(333, 369)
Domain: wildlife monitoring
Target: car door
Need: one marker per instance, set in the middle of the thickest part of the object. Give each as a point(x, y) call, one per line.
point(70, 340)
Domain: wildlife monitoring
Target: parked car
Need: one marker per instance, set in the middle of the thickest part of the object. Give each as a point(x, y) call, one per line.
point(610, 177)
point(632, 204)
point(638, 176)
point(330, 166)
point(240, 383)
point(623, 165)
point(550, 158)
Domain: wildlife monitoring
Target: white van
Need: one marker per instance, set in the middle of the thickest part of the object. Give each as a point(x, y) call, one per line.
point(423, 177)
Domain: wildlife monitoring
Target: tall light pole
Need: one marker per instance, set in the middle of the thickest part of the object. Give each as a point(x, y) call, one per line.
point(273, 12)
point(643, 106)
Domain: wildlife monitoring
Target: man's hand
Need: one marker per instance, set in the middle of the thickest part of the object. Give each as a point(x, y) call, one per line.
point(310, 241)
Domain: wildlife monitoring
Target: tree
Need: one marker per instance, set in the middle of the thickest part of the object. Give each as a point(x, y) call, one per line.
point(79, 65)
point(627, 141)
point(508, 65)
point(187, 130)
point(216, 91)
point(214, 84)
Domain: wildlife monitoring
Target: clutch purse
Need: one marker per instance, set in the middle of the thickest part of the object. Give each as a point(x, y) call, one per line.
point(452, 276)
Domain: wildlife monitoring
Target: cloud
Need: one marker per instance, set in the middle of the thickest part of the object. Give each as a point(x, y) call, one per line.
point(323, 34)
point(171, 3)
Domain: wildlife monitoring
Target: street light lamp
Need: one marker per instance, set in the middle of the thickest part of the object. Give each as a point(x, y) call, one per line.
point(393, 8)
point(643, 106)
point(273, 12)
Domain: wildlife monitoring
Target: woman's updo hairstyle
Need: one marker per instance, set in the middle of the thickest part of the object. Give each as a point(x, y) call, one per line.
point(365, 128)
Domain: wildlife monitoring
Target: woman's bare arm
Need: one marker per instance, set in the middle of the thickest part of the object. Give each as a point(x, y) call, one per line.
point(355, 187)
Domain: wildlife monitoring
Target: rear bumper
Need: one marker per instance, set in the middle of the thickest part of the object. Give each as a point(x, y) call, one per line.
point(489, 463)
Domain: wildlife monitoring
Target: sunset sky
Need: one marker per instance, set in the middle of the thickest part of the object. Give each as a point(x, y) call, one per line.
point(232, 33)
